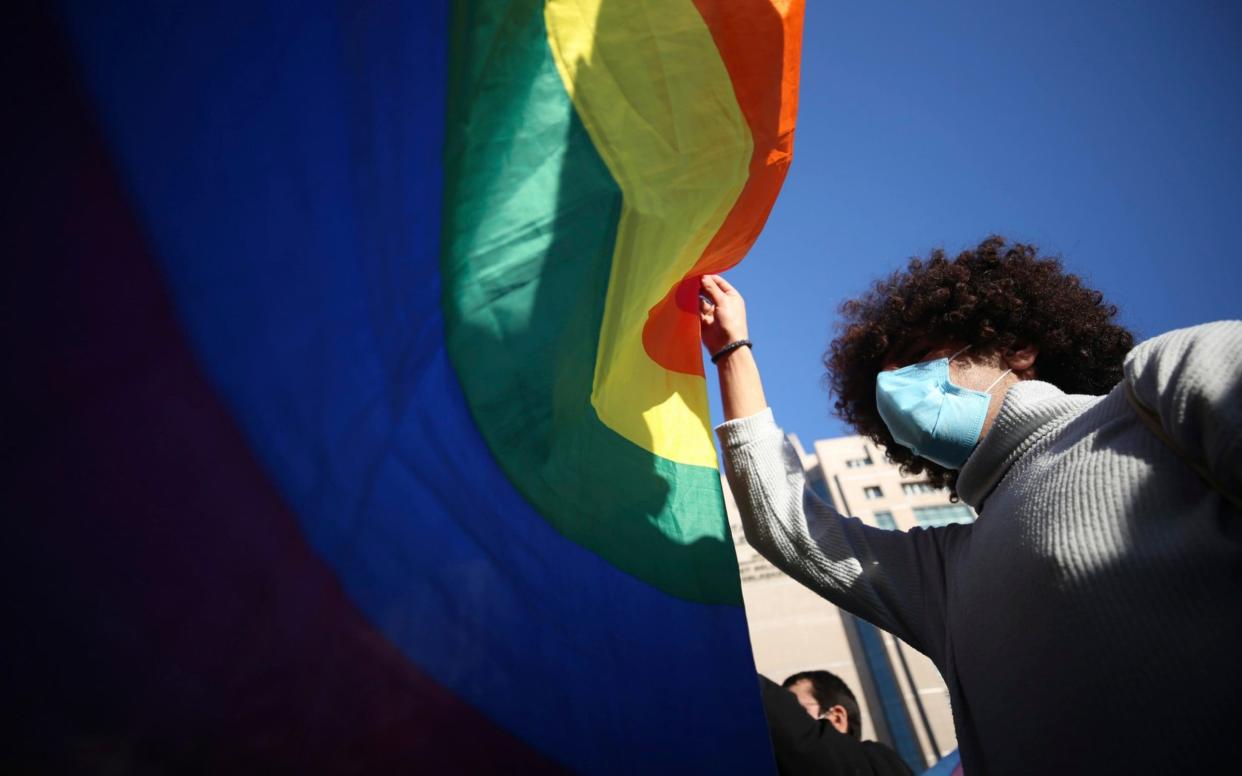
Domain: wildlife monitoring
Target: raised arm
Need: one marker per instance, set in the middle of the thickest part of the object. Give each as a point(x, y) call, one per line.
point(722, 313)
point(892, 579)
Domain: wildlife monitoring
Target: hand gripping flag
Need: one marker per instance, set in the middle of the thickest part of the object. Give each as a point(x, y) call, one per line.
point(358, 416)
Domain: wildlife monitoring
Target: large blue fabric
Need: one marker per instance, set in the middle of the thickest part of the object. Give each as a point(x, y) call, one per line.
point(285, 164)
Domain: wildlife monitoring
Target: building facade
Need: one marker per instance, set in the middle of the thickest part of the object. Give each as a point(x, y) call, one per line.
point(904, 700)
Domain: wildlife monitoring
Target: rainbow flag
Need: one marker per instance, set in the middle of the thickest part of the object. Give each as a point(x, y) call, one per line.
point(362, 415)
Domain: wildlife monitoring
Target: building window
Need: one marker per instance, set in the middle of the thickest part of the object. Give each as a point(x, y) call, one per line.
point(944, 514)
point(915, 488)
point(857, 463)
point(884, 519)
point(873, 491)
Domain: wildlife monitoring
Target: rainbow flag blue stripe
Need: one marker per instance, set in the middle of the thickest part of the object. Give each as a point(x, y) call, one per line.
point(328, 459)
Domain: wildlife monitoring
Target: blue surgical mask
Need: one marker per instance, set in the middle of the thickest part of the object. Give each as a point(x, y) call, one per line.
point(927, 413)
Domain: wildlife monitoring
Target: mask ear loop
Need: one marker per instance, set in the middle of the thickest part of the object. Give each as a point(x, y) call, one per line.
point(1002, 377)
point(995, 382)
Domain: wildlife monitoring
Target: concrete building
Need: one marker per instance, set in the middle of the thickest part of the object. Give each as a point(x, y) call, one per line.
point(904, 701)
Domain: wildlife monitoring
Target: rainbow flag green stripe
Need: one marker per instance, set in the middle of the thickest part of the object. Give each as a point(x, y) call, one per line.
point(574, 205)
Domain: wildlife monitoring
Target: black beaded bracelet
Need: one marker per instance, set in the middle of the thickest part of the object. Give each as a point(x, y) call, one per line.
point(732, 346)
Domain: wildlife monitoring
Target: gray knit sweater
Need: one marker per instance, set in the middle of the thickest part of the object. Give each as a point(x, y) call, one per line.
point(1090, 621)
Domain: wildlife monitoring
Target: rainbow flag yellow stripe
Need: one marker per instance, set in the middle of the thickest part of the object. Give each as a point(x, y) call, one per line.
point(658, 103)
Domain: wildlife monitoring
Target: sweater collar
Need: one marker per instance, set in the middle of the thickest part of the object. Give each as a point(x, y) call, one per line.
point(1030, 410)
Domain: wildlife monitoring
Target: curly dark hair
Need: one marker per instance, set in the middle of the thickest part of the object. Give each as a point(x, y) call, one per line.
point(998, 296)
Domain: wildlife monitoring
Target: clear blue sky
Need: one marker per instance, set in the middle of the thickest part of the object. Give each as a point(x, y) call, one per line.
point(1109, 133)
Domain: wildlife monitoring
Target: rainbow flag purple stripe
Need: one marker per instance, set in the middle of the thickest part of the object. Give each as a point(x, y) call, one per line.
point(322, 454)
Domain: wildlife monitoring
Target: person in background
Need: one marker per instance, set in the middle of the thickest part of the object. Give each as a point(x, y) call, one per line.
point(825, 695)
point(816, 729)
point(1089, 620)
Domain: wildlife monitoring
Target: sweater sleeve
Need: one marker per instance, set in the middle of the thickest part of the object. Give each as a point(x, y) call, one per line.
point(892, 579)
point(1192, 380)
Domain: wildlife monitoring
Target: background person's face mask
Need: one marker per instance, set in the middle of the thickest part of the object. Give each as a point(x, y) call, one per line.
point(929, 414)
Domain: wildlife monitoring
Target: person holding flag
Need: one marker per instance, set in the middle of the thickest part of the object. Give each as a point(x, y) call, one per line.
point(1088, 621)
